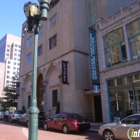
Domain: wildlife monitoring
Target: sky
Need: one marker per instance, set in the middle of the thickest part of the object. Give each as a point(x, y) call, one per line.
point(12, 17)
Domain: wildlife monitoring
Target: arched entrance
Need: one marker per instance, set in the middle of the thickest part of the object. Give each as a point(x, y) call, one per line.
point(39, 92)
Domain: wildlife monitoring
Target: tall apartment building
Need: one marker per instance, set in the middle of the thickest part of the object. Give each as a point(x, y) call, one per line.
point(2, 74)
point(10, 47)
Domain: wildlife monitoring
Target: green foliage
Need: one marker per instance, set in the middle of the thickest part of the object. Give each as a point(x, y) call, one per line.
point(10, 97)
point(1, 108)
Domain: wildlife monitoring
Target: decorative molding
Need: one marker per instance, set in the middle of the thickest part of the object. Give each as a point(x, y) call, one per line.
point(135, 6)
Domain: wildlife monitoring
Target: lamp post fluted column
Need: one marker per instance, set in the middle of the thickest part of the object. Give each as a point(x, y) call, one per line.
point(33, 110)
point(34, 14)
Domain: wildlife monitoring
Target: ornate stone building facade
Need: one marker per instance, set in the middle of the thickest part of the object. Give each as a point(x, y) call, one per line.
point(118, 41)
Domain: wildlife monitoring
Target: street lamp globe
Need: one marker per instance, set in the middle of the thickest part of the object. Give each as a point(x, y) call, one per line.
point(31, 11)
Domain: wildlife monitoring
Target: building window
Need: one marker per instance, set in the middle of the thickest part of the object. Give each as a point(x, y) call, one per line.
point(40, 50)
point(8, 67)
point(115, 50)
point(15, 54)
point(8, 71)
point(19, 46)
point(15, 50)
point(54, 98)
point(126, 100)
point(52, 21)
point(14, 68)
point(40, 32)
point(8, 50)
point(29, 41)
point(14, 73)
point(8, 76)
point(7, 54)
point(28, 58)
point(15, 45)
point(52, 42)
point(133, 30)
point(14, 63)
point(9, 62)
point(53, 3)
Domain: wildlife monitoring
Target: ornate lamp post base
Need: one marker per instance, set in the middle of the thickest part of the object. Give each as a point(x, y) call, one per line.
point(33, 119)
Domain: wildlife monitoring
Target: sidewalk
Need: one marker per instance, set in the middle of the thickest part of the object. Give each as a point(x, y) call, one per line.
point(95, 126)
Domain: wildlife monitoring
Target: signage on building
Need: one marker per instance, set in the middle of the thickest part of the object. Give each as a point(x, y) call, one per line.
point(64, 72)
point(93, 56)
point(96, 88)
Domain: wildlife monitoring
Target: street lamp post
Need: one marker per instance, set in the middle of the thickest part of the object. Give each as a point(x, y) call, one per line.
point(34, 14)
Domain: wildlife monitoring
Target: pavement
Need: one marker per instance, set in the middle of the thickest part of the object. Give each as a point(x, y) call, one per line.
point(95, 127)
point(22, 132)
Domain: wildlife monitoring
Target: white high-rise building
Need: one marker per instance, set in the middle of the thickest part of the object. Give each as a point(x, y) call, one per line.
point(10, 47)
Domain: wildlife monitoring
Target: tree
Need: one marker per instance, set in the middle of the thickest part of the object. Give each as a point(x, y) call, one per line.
point(10, 98)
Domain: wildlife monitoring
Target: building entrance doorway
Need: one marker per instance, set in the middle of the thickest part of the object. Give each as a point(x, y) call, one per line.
point(98, 108)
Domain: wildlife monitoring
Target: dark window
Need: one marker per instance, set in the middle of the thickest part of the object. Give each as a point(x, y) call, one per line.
point(115, 50)
point(40, 32)
point(131, 120)
point(8, 71)
point(62, 117)
point(8, 76)
point(52, 21)
point(55, 117)
point(74, 116)
point(54, 98)
point(28, 58)
point(40, 50)
point(29, 41)
point(18, 112)
point(52, 42)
